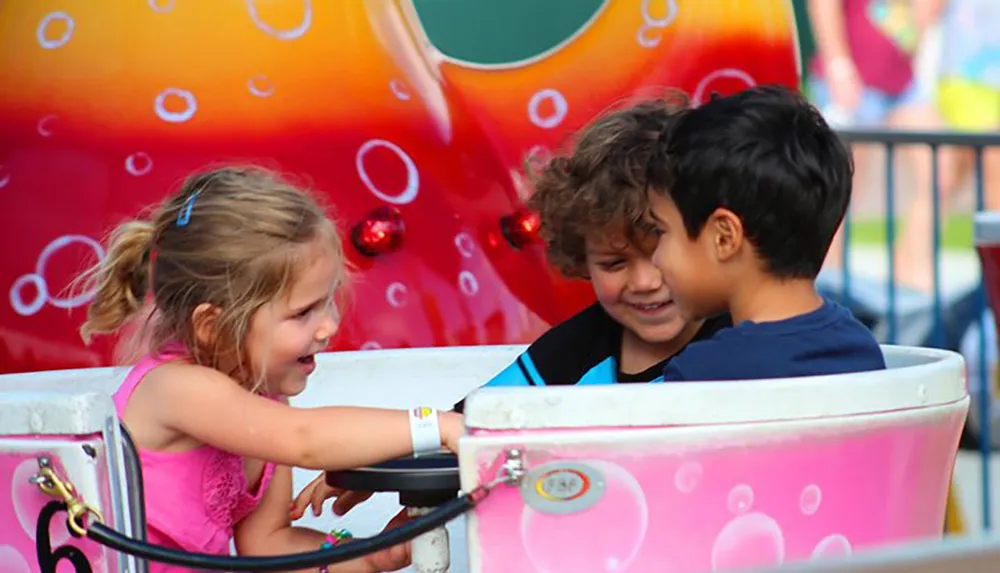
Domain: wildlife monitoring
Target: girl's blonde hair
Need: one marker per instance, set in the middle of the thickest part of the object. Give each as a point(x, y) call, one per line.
point(230, 237)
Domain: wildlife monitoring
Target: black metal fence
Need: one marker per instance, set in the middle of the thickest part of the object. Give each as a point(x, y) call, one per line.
point(946, 321)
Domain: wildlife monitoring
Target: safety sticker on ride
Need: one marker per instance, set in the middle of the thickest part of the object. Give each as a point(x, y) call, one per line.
point(563, 487)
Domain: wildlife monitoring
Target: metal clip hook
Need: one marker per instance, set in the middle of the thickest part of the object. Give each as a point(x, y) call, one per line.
point(511, 472)
point(513, 466)
point(51, 484)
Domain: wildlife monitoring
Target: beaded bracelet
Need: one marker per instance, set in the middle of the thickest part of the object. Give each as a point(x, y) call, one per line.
point(334, 538)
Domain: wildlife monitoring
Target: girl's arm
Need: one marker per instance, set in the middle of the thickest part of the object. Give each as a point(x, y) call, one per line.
point(212, 408)
point(268, 531)
point(829, 30)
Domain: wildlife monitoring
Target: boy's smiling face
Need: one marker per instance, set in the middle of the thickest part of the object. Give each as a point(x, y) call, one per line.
point(630, 288)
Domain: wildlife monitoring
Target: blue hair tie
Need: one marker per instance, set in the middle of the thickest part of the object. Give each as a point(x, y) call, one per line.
point(185, 215)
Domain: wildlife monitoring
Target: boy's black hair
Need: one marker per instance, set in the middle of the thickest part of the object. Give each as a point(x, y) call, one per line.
point(768, 156)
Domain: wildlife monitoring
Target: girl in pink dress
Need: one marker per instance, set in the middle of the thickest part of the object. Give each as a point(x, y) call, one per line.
point(243, 270)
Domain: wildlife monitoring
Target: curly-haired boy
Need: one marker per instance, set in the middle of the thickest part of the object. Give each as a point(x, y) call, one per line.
point(591, 203)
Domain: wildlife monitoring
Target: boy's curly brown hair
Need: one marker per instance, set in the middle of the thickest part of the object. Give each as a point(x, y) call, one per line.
point(600, 187)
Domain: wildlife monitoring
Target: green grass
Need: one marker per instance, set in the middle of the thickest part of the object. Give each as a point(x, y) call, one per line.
point(956, 231)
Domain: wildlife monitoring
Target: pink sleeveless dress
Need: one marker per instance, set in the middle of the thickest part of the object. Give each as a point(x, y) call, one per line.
point(193, 498)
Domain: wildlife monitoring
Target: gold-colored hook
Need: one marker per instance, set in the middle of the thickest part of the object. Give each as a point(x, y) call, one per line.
point(51, 484)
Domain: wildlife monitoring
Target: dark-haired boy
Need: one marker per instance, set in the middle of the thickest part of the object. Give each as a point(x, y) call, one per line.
point(750, 192)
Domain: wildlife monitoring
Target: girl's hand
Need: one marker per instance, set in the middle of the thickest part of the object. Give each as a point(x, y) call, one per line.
point(318, 492)
point(452, 426)
point(395, 557)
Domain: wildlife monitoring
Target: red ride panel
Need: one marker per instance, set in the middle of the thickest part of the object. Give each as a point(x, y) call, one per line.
point(106, 107)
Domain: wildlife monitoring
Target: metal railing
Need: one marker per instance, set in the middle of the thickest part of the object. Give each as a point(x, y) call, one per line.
point(891, 141)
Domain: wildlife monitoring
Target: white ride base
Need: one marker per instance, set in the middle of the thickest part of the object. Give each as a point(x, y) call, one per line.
point(69, 415)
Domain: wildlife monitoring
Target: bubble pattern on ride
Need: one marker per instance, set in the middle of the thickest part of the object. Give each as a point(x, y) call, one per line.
point(750, 537)
point(107, 106)
point(727, 502)
point(21, 502)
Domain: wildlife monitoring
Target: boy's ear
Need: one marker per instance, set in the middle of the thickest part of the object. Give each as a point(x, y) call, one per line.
point(727, 233)
point(203, 321)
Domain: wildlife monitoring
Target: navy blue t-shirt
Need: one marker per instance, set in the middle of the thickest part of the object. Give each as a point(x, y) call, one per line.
point(828, 340)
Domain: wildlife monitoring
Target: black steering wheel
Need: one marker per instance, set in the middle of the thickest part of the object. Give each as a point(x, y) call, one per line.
point(425, 481)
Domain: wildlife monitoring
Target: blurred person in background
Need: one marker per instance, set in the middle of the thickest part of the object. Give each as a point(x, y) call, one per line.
point(863, 76)
point(968, 92)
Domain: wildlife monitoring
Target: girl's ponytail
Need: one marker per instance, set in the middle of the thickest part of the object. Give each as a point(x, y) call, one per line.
point(121, 280)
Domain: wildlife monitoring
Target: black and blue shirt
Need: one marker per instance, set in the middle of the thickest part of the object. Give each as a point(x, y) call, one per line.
point(584, 349)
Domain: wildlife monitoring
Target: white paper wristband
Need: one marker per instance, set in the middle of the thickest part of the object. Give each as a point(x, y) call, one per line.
point(425, 432)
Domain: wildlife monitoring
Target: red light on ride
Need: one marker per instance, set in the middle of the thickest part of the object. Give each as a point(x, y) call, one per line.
point(380, 233)
point(521, 228)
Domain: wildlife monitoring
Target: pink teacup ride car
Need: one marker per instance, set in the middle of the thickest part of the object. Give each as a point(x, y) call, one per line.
point(663, 477)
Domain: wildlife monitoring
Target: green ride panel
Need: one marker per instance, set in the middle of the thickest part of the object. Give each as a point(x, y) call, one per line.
point(502, 31)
